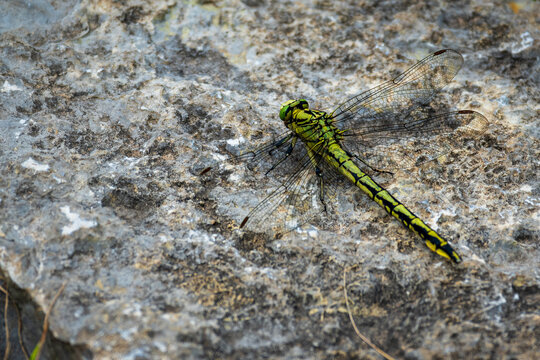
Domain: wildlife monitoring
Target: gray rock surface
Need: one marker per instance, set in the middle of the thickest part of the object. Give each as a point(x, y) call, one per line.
point(109, 110)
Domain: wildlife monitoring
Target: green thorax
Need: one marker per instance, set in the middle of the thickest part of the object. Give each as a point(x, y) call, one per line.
point(312, 126)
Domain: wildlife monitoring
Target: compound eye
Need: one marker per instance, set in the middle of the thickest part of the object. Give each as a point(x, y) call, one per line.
point(284, 112)
point(303, 104)
point(286, 109)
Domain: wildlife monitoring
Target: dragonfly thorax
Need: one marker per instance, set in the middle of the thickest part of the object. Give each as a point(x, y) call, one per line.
point(312, 126)
point(298, 112)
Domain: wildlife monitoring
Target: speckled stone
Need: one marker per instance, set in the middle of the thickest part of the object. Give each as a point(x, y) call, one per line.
point(109, 111)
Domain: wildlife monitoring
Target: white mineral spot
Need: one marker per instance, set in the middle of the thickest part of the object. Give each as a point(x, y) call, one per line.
point(503, 100)
point(312, 233)
point(94, 73)
point(525, 188)
point(236, 142)
point(7, 87)
point(526, 42)
point(219, 157)
point(58, 180)
point(34, 165)
point(163, 238)
point(76, 221)
point(476, 258)
point(160, 346)
point(235, 178)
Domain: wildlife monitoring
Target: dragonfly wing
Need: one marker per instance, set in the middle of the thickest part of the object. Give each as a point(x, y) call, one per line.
point(260, 159)
point(411, 140)
point(373, 109)
point(388, 127)
point(310, 190)
point(403, 94)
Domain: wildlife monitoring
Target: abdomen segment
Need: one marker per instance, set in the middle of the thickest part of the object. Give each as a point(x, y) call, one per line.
point(433, 240)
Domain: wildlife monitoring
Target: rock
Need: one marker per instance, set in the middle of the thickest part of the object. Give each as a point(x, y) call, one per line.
point(110, 111)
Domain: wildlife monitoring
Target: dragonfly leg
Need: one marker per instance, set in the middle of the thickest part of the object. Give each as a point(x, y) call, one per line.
point(280, 142)
point(288, 152)
point(319, 174)
point(312, 151)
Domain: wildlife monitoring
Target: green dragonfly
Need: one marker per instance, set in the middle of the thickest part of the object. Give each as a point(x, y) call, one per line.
point(321, 151)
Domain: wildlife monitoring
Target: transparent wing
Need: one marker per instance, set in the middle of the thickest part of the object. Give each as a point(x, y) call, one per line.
point(415, 139)
point(389, 126)
point(272, 152)
point(311, 189)
point(403, 94)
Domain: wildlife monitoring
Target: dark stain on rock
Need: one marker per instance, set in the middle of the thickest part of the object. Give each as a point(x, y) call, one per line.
point(37, 105)
point(118, 199)
point(178, 60)
point(519, 66)
point(252, 241)
point(254, 3)
point(164, 147)
point(25, 189)
point(526, 235)
point(83, 142)
point(131, 15)
point(200, 123)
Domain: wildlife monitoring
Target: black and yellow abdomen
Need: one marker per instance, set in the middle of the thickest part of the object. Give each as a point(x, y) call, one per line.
point(338, 158)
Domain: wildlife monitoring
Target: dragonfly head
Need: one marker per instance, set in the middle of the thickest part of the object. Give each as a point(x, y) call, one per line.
point(286, 111)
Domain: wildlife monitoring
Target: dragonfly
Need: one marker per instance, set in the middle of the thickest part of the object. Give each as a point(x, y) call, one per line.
point(320, 152)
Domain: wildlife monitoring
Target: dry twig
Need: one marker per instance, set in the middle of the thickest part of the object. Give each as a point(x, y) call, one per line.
point(364, 338)
point(8, 345)
point(37, 350)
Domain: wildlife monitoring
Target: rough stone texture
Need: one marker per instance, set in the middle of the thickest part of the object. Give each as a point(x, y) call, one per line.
point(109, 110)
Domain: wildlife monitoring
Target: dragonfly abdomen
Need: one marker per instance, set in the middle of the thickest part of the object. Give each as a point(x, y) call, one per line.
point(345, 165)
point(433, 240)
